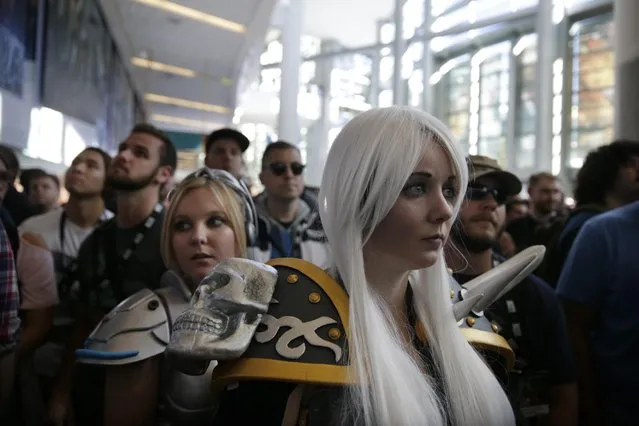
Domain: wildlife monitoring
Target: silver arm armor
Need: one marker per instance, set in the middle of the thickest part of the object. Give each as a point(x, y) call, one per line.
point(481, 292)
point(137, 329)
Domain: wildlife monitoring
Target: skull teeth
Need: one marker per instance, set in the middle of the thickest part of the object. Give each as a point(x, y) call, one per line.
point(194, 322)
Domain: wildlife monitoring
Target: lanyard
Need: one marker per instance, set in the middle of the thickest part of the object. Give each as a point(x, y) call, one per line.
point(68, 276)
point(114, 266)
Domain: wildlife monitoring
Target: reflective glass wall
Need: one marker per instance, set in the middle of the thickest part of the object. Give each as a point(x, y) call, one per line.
point(482, 82)
point(592, 91)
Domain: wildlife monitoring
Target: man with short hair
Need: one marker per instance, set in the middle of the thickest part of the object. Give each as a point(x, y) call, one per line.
point(44, 191)
point(529, 316)
point(120, 257)
point(545, 198)
point(224, 149)
point(290, 225)
point(608, 179)
point(62, 231)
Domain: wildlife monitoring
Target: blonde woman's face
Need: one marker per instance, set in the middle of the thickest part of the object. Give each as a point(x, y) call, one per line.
point(201, 234)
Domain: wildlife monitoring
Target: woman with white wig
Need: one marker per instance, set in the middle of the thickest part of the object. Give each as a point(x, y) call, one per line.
point(393, 183)
point(374, 340)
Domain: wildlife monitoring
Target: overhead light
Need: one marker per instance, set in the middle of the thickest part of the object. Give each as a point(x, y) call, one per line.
point(194, 14)
point(161, 99)
point(158, 66)
point(168, 119)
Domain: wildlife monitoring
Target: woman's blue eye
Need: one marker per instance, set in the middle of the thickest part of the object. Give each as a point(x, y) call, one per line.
point(215, 222)
point(415, 190)
point(181, 225)
point(450, 193)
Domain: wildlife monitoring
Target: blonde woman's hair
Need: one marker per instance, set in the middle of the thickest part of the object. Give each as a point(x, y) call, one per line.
point(223, 195)
point(367, 167)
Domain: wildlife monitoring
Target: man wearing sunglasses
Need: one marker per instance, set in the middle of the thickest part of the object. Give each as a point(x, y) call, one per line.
point(289, 218)
point(529, 316)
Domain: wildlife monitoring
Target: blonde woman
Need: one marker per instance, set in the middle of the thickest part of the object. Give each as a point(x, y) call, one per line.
point(210, 218)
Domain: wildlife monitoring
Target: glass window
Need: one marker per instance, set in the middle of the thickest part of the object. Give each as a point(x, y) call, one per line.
point(593, 79)
point(525, 113)
point(456, 97)
point(494, 86)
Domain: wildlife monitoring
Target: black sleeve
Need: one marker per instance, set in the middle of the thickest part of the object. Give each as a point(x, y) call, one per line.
point(553, 346)
point(82, 280)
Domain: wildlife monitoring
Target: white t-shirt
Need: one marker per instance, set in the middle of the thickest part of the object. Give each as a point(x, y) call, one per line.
point(47, 357)
point(48, 227)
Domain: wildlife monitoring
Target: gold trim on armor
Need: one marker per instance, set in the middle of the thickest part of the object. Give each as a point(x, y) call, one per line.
point(336, 293)
point(282, 371)
point(480, 339)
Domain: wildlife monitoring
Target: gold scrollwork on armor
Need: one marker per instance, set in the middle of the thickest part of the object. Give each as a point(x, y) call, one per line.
point(292, 279)
point(314, 297)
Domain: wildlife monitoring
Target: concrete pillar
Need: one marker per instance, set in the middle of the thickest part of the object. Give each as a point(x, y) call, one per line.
point(546, 55)
point(626, 15)
point(398, 51)
point(427, 61)
point(288, 123)
point(317, 137)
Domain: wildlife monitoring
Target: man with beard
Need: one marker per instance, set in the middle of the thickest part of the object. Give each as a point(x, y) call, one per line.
point(121, 257)
point(529, 316)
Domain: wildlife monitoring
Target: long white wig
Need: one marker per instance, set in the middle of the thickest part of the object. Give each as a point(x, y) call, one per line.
point(366, 169)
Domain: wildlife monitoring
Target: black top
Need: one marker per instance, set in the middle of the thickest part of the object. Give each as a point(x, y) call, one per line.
point(532, 321)
point(99, 258)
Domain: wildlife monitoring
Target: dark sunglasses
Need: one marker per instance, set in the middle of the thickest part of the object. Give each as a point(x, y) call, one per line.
point(477, 192)
point(278, 169)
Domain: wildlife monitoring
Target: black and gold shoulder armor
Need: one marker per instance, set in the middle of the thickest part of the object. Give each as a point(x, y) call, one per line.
point(303, 337)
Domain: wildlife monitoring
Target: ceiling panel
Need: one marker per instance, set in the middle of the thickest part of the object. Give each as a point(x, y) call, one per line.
point(215, 54)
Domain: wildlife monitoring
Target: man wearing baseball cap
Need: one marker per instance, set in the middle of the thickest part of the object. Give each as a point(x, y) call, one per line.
point(224, 149)
point(529, 316)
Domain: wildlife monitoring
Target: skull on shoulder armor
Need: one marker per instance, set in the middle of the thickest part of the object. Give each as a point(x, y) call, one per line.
point(224, 312)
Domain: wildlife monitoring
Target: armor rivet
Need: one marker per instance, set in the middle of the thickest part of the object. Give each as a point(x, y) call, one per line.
point(496, 327)
point(314, 297)
point(153, 305)
point(470, 321)
point(334, 333)
point(452, 294)
point(292, 279)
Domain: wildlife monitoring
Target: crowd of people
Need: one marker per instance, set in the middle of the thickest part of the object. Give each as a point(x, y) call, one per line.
point(402, 219)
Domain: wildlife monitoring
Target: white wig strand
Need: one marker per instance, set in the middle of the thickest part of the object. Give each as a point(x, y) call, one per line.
point(366, 169)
